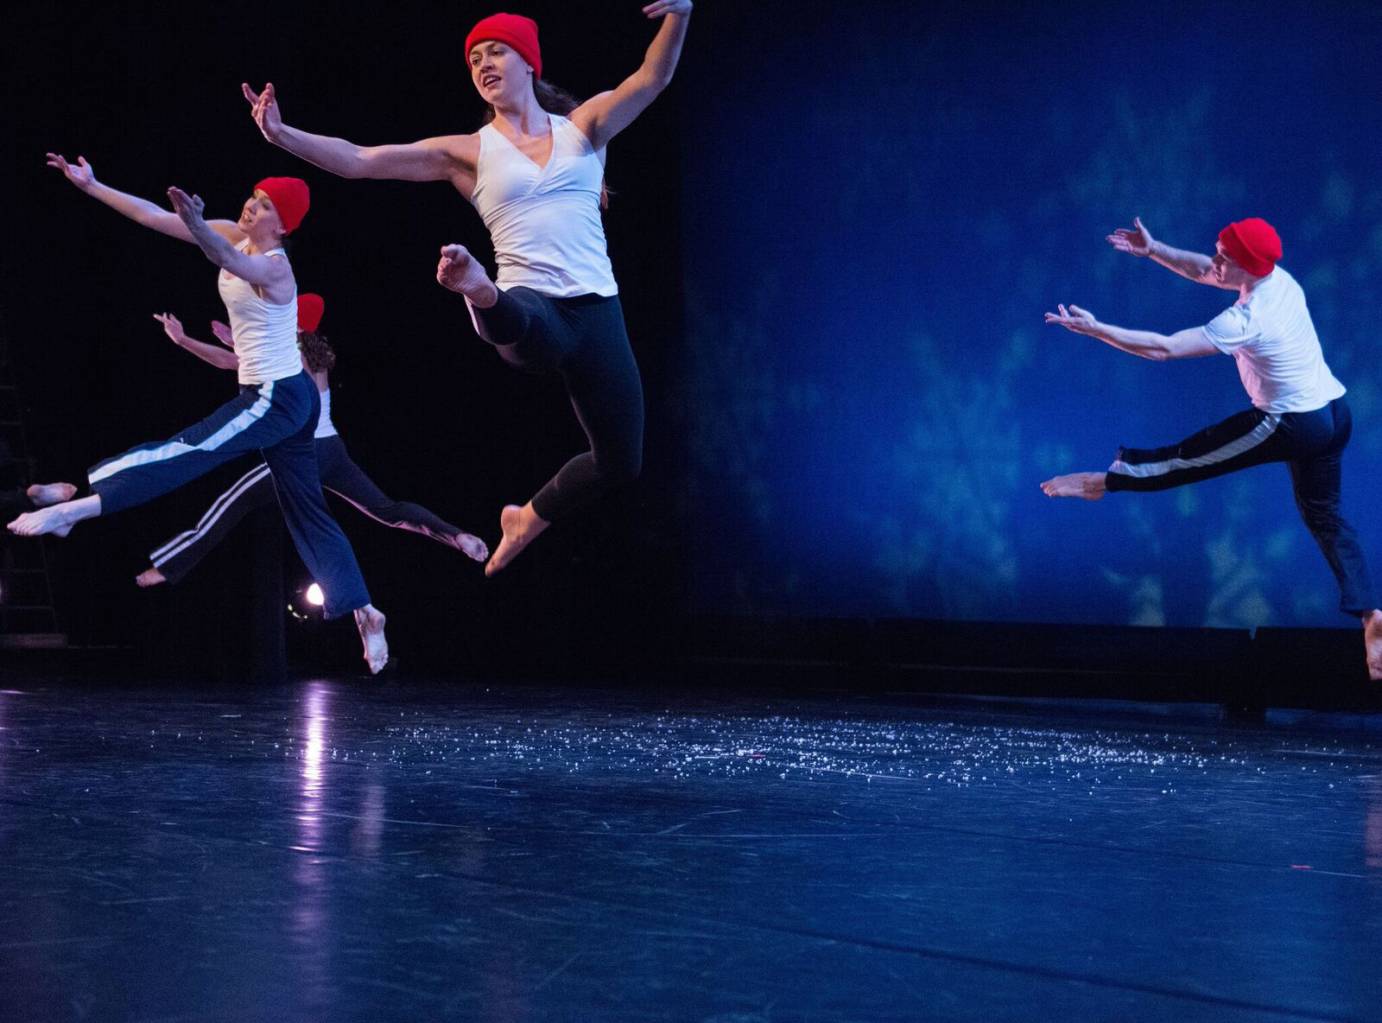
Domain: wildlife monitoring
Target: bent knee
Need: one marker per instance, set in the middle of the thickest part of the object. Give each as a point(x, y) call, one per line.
point(619, 468)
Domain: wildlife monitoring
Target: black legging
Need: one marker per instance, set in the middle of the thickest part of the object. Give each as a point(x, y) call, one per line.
point(584, 340)
point(255, 490)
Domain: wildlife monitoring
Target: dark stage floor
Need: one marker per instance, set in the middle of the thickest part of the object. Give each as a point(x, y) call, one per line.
point(404, 851)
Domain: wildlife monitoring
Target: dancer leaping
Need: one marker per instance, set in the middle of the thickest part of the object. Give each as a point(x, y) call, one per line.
point(171, 561)
point(535, 173)
point(1298, 415)
point(276, 410)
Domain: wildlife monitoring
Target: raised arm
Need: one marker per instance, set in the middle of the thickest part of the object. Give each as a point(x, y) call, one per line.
point(607, 114)
point(1183, 344)
point(272, 273)
point(218, 357)
point(1193, 266)
point(141, 211)
point(443, 158)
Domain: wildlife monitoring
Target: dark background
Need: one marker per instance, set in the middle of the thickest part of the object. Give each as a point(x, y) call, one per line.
point(153, 100)
point(835, 235)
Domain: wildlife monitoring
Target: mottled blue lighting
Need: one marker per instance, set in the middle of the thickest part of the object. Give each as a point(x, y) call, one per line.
point(872, 396)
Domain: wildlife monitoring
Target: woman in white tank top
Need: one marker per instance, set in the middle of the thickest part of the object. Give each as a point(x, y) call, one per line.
point(535, 173)
point(275, 412)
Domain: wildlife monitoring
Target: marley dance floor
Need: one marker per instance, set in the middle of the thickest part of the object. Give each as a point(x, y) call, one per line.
point(357, 850)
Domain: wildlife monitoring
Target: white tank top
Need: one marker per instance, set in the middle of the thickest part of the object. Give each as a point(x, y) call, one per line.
point(324, 424)
point(545, 221)
point(266, 335)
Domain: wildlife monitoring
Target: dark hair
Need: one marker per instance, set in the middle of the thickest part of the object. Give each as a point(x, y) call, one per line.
point(316, 351)
point(555, 100)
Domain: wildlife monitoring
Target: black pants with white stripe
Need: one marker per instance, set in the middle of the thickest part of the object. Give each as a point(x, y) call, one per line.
point(255, 489)
point(1312, 446)
point(277, 419)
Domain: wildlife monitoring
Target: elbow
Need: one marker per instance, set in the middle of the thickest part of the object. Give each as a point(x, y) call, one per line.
point(362, 162)
point(653, 79)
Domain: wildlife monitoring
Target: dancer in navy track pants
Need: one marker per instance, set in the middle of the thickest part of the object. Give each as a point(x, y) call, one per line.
point(276, 410)
point(171, 561)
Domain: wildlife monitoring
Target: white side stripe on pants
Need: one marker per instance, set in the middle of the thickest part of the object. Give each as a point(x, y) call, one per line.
point(164, 452)
point(1257, 435)
point(213, 514)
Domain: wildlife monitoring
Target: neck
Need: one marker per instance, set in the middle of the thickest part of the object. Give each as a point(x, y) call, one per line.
point(523, 115)
point(1249, 286)
point(260, 243)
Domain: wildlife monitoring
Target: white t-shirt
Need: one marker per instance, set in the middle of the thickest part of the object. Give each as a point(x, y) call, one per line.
point(1272, 339)
point(545, 221)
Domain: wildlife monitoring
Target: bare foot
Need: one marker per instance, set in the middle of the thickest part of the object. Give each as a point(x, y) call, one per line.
point(43, 522)
point(149, 577)
point(471, 546)
point(370, 621)
point(1088, 485)
point(461, 272)
point(1372, 644)
point(521, 527)
point(57, 519)
point(45, 494)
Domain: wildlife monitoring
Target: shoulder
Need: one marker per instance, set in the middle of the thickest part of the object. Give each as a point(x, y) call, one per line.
point(1230, 328)
point(279, 264)
point(574, 128)
point(443, 152)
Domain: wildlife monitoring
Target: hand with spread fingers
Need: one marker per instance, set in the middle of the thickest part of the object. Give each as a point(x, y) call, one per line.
point(80, 173)
point(189, 208)
point(172, 326)
point(1073, 318)
point(1135, 240)
point(264, 109)
point(665, 7)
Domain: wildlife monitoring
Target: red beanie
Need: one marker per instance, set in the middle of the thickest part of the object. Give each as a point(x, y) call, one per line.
point(512, 30)
point(1253, 244)
point(290, 197)
point(310, 309)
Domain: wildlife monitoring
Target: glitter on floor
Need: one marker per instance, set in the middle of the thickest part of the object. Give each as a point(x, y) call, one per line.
point(348, 850)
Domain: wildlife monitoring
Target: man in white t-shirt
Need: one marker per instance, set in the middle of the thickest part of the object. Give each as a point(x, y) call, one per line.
point(1298, 414)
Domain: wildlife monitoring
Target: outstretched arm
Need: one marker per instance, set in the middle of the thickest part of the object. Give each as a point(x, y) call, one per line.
point(268, 272)
point(604, 116)
point(434, 159)
point(141, 211)
point(1183, 344)
point(218, 357)
point(1193, 266)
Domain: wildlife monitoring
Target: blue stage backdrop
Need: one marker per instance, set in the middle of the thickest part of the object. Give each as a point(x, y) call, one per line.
point(882, 200)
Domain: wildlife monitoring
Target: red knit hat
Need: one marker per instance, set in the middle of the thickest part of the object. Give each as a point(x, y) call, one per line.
point(290, 197)
point(512, 30)
point(310, 309)
point(1253, 244)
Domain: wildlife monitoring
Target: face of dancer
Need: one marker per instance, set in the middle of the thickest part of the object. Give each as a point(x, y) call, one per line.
point(1226, 270)
point(259, 219)
point(498, 72)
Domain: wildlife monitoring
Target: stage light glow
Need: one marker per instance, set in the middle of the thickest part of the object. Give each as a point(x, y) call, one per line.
point(308, 603)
